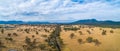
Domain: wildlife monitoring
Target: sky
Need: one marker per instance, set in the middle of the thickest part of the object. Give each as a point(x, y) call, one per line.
point(59, 10)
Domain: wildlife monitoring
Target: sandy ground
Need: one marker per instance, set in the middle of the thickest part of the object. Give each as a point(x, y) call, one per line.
point(109, 42)
point(19, 40)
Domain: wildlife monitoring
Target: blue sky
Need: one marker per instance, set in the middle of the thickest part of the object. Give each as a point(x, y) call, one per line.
point(54, 10)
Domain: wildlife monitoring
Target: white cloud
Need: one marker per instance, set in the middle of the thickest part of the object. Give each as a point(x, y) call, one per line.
point(45, 10)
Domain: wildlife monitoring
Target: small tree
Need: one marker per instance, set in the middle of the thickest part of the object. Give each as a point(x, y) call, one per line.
point(9, 38)
point(37, 32)
point(111, 31)
point(15, 34)
point(104, 32)
point(26, 30)
point(80, 32)
point(89, 39)
point(80, 41)
point(88, 32)
point(2, 31)
point(44, 36)
point(42, 46)
point(100, 28)
point(27, 40)
point(96, 41)
point(9, 34)
point(46, 30)
point(33, 36)
point(33, 44)
point(92, 29)
point(72, 35)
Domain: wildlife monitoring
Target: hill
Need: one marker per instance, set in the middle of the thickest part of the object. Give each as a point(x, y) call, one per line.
point(22, 22)
point(95, 22)
point(107, 23)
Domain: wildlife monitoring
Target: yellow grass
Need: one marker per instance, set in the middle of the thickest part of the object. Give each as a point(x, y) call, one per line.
point(109, 42)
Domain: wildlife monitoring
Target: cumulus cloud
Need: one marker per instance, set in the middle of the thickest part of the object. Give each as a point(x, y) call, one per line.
point(48, 10)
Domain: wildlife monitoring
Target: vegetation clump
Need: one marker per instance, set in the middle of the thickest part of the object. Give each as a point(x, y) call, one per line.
point(37, 33)
point(89, 39)
point(9, 38)
point(27, 40)
point(15, 34)
point(88, 31)
point(42, 46)
point(104, 32)
point(80, 32)
point(33, 36)
point(30, 44)
point(9, 34)
point(2, 31)
point(72, 35)
point(111, 31)
point(27, 30)
point(73, 29)
point(54, 40)
point(44, 36)
point(96, 41)
point(80, 41)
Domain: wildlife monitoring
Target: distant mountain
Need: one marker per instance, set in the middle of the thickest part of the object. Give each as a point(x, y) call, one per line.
point(86, 22)
point(94, 22)
point(22, 22)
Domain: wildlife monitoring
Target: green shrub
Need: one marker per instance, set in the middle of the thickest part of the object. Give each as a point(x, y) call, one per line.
point(80, 41)
point(72, 35)
point(96, 41)
point(42, 46)
point(10, 39)
point(88, 31)
point(15, 34)
point(27, 30)
point(9, 34)
point(80, 32)
point(37, 32)
point(2, 30)
point(111, 31)
point(33, 36)
point(104, 32)
point(73, 29)
point(44, 36)
point(89, 39)
point(27, 40)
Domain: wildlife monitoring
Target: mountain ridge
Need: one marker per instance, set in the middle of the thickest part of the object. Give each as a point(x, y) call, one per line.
point(85, 21)
point(94, 21)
